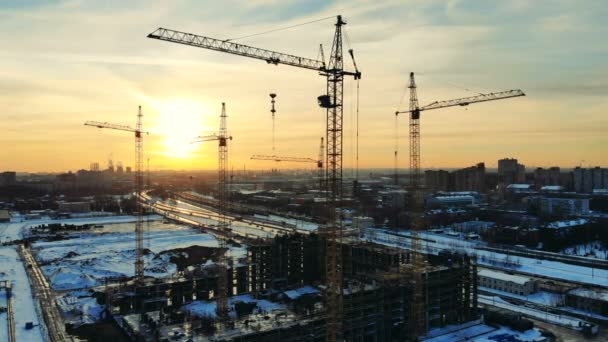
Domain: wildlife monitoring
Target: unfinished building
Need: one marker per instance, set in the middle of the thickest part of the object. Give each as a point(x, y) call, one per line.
point(285, 276)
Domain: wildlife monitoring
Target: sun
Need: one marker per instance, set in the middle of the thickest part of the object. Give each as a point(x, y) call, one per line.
point(179, 122)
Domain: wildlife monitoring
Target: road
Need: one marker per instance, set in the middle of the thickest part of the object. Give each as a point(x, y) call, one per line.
point(44, 293)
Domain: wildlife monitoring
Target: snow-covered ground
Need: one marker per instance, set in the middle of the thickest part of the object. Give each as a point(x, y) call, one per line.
point(480, 333)
point(545, 316)
point(3, 317)
point(80, 307)
point(11, 268)
point(207, 308)
point(435, 243)
point(12, 231)
point(87, 259)
point(593, 249)
point(540, 297)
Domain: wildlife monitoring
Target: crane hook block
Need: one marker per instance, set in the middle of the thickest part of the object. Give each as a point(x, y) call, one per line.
point(325, 101)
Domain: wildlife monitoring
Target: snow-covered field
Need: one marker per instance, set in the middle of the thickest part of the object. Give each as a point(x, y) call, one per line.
point(11, 268)
point(14, 230)
point(87, 259)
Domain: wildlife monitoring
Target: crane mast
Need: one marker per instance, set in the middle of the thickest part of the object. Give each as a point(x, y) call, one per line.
point(332, 102)
point(414, 135)
point(223, 226)
point(139, 209)
point(139, 183)
point(320, 163)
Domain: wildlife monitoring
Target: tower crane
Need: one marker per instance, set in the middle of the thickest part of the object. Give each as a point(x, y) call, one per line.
point(415, 111)
point(223, 226)
point(139, 181)
point(332, 101)
point(318, 161)
point(417, 323)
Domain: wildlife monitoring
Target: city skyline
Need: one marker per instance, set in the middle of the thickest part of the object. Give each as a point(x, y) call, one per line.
point(74, 61)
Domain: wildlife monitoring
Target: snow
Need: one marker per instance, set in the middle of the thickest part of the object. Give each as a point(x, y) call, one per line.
point(561, 320)
point(3, 317)
point(596, 294)
point(567, 224)
point(79, 307)
point(435, 243)
point(207, 308)
point(503, 276)
point(504, 334)
point(299, 224)
point(519, 186)
point(293, 294)
point(594, 249)
point(14, 230)
point(110, 255)
point(585, 313)
point(23, 299)
point(480, 333)
point(455, 333)
point(540, 297)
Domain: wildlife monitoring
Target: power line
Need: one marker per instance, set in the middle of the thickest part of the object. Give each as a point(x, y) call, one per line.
point(279, 29)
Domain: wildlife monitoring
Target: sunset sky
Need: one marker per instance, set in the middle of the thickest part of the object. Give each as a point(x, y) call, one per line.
point(65, 62)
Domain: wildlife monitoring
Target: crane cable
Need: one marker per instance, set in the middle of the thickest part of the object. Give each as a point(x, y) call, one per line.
point(278, 29)
point(357, 143)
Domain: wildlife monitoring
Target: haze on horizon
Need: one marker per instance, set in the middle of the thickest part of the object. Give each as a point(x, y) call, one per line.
point(68, 61)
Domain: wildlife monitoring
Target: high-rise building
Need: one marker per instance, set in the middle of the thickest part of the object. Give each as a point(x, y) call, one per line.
point(598, 181)
point(586, 180)
point(437, 180)
point(550, 176)
point(470, 179)
point(510, 171)
point(8, 178)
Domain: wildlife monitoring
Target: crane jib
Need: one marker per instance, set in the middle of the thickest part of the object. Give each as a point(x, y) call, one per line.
point(269, 56)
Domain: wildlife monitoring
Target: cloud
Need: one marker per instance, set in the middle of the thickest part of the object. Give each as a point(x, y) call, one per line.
point(73, 61)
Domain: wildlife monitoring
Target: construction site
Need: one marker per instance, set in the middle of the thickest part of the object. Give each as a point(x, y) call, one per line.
point(323, 284)
point(329, 257)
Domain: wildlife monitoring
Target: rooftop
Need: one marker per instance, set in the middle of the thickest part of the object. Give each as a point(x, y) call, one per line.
point(521, 280)
point(567, 224)
point(598, 294)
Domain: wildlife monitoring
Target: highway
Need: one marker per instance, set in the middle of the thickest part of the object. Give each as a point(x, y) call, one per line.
point(206, 218)
point(44, 293)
